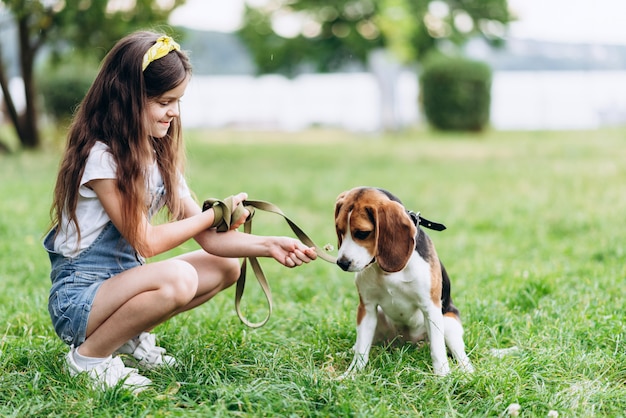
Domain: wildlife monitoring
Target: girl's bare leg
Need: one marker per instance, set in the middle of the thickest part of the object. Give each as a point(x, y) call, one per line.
point(143, 297)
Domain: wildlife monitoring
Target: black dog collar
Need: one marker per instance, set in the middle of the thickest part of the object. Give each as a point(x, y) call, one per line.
point(418, 219)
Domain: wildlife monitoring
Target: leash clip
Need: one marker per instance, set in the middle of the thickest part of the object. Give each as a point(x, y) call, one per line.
point(415, 216)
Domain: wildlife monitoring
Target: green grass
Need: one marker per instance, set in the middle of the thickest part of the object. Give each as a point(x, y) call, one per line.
point(535, 247)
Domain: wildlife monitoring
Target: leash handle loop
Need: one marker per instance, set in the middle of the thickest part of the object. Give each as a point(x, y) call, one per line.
point(241, 284)
point(251, 205)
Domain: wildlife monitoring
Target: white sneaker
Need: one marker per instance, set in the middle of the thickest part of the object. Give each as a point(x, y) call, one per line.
point(109, 373)
point(148, 355)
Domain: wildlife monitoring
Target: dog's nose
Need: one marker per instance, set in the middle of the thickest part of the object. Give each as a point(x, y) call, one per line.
point(343, 263)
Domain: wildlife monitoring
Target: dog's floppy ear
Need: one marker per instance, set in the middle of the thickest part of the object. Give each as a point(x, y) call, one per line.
point(338, 205)
point(395, 236)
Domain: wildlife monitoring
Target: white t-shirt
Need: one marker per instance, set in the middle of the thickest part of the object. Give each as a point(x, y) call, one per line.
point(90, 214)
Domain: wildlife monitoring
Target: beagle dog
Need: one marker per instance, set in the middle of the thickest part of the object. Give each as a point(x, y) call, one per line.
point(404, 290)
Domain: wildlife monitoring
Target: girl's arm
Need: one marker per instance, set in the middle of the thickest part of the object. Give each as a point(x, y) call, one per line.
point(289, 252)
point(195, 224)
point(156, 238)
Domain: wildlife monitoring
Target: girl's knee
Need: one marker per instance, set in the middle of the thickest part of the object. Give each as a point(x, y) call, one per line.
point(231, 271)
point(180, 282)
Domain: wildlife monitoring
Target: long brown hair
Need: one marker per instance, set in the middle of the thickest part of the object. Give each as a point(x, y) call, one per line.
point(113, 112)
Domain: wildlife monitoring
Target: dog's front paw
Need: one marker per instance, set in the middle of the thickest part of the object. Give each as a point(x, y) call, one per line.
point(358, 363)
point(351, 372)
point(466, 366)
point(346, 375)
point(442, 369)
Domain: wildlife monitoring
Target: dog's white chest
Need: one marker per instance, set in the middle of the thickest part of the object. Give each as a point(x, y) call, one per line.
point(400, 295)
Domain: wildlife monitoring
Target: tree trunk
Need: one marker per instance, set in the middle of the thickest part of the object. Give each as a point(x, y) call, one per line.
point(28, 125)
point(8, 101)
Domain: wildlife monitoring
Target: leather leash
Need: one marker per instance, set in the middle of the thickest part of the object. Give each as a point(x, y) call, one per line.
point(251, 205)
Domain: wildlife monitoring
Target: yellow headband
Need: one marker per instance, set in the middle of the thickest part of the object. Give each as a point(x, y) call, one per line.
point(163, 46)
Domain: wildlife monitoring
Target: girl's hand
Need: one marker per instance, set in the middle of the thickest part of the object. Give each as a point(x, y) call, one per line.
point(291, 252)
point(237, 199)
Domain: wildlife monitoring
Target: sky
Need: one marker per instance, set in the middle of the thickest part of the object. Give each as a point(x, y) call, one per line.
point(587, 21)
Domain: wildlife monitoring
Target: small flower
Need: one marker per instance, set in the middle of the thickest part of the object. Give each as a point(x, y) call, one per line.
point(513, 409)
point(503, 352)
point(553, 414)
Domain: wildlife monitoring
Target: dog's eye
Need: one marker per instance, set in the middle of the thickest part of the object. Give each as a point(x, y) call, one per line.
point(361, 234)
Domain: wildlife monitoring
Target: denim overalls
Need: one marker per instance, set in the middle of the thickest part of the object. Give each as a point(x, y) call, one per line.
point(76, 280)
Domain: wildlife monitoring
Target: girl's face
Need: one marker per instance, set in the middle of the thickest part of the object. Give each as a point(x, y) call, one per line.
point(164, 108)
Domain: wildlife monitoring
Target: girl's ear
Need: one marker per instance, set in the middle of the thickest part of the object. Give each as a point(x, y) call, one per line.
point(395, 236)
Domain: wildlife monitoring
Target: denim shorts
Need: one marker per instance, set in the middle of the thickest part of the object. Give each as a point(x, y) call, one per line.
point(76, 280)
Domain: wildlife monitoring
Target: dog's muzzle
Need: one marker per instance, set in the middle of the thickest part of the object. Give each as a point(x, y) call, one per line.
point(345, 264)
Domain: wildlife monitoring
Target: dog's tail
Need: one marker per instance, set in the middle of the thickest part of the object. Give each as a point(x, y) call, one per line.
point(446, 299)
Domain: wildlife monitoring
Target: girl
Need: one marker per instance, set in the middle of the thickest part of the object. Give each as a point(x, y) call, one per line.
point(123, 162)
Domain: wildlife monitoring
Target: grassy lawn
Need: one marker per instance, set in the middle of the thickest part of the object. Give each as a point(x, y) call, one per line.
point(535, 247)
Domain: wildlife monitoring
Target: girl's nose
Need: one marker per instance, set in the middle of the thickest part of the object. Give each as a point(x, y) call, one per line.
point(173, 111)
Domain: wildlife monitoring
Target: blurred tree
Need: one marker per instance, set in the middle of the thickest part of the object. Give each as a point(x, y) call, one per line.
point(88, 27)
point(288, 35)
point(292, 36)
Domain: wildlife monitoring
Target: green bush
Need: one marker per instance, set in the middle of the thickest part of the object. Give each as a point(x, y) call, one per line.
point(63, 88)
point(456, 93)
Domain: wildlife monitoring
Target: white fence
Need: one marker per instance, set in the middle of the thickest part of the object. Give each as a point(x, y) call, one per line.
point(520, 100)
point(558, 100)
point(349, 101)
